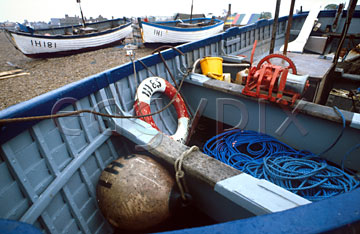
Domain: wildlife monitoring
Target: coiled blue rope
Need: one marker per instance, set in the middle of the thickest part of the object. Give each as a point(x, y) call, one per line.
point(264, 157)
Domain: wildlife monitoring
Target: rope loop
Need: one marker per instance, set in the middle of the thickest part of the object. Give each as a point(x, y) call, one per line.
point(180, 174)
point(264, 157)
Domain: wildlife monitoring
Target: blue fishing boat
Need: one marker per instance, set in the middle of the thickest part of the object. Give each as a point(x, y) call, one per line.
point(50, 165)
point(179, 31)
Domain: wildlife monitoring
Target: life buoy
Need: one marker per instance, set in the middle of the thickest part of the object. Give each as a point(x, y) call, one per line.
point(146, 89)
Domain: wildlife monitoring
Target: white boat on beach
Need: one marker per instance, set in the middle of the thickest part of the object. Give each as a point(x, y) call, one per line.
point(180, 31)
point(55, 42)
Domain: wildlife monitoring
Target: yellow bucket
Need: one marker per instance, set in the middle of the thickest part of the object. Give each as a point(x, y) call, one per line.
point(212, 67)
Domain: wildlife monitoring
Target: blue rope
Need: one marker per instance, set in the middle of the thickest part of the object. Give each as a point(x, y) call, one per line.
point(264, 157)
point(341, 133)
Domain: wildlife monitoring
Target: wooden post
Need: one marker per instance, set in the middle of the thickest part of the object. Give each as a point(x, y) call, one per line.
point(336, 20)
point(82, 16)
point(328, 81)
point(191, 13)
point(350, 13)
point(227, 16)
point(287, 36)
point(275, 24)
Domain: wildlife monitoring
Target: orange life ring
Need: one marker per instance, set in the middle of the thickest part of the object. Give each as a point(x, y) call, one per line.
point(146, 89)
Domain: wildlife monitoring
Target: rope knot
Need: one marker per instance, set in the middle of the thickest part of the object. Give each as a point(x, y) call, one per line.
point(180, 174)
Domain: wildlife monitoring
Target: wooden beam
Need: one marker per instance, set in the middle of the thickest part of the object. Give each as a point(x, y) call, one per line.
point(275, 24)
point(350, 12)
point(199, 165)
point(5, 73)
point(287, 36)
point(328, 81)
point(13, 76)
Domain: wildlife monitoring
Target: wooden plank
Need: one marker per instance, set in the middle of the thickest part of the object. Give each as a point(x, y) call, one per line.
point(310, 64)
point(298, 44)
point(287, 35)
point(199, 165)
point(275, 25)
point(351, 9)
point(13, 76)
point(5, 73)
point(338, 35)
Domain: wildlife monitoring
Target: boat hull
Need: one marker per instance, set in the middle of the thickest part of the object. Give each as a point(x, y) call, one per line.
point(50, 168)
point(41, 46)
point(155, 33)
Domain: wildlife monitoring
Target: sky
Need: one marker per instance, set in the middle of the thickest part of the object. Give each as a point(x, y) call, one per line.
point(44, 10)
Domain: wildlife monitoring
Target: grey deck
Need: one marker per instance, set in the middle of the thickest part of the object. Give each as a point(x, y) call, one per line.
point(311, 64)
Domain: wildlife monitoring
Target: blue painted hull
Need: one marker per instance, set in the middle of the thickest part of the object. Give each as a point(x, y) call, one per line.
point(50, 168)
point(175, 32)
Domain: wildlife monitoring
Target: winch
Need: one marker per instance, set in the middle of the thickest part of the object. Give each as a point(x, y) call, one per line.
point(276, 83)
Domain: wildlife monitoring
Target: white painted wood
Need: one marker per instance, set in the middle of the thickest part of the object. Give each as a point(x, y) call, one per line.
point(258, 196)
point(246, 19)
point(30, 45)
point(153, 34)
point(298, 44)
point(355, 122)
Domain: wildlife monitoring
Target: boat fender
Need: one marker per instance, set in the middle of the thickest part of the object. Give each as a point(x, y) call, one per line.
point(135, 193)
point(146, 89)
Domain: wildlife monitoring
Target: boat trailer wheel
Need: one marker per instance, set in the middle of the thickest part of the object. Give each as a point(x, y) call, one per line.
point(267, 58)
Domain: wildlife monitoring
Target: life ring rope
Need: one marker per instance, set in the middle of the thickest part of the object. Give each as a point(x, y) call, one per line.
point(146, 90)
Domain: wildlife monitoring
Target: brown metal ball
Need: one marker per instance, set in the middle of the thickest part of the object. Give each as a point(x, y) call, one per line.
point(134, 192)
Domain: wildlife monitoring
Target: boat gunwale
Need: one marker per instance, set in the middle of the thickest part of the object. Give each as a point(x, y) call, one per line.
point(67, 37)
point(331, 214)
point(158, 24)
point(265, 22)
point(324, 112)
point(261, 23)
point(42, 104)
point(87, 24)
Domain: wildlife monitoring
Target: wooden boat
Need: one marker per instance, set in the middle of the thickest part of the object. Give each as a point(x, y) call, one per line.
point(61, 41)
point(180, 31)
point(49, 168)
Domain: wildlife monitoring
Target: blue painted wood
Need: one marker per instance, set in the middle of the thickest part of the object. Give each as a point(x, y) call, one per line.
point(170, 25)
point(307, 134)
point(16, 203)
point(58, 157)
point(45, 217)
point(45, 151)
point(40, 204)
point(77, 215)
point(18, 169)
point(44, 103)
point(15, 227)
point(60, 214)
point(89, 137)
point(335, 213)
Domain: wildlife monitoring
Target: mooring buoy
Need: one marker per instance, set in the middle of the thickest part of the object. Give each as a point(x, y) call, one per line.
point(135, 192)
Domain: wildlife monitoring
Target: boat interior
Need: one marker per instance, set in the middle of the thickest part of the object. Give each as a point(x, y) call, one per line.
point(187, 23)
point(80, 29)
point(50, 168)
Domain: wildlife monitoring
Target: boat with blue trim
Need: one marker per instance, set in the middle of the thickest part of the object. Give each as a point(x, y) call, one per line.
point(53, 166)
point(180, 31)
point(62, 41)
